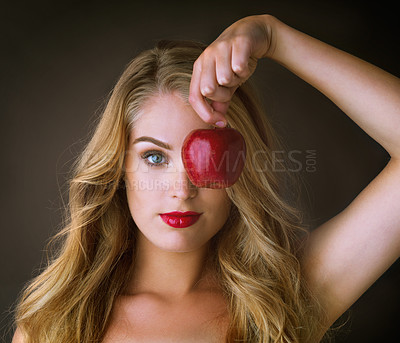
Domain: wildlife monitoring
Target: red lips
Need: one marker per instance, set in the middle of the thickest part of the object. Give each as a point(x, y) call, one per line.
point(180, 219)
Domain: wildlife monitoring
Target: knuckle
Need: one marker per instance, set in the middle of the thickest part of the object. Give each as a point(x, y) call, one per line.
point(207, 89)
point(240, 67)
point(224, 79)
point(223, 45)
point(242, 72)
point(242, 40)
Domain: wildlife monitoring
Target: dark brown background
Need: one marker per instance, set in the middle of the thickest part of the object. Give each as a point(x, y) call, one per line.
point(61, 59)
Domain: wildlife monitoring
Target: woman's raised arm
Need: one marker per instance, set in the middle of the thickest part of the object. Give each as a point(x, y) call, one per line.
point(348, 253)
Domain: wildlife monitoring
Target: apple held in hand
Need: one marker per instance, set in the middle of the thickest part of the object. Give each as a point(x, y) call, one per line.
point(214, 158)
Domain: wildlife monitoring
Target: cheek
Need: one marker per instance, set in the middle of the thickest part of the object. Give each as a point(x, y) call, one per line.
point(144, 191)
point(219, 203)
point(222, 197)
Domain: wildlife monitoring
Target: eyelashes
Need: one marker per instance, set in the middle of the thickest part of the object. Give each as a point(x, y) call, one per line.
point(149, 159)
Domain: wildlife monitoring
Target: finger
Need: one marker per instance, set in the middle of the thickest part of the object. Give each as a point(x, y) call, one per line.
point(241, 54)
point(224, 73)
point(208, 81)
point(221, 107)
point(198, 101)
point(209, 86)
point(222, 94)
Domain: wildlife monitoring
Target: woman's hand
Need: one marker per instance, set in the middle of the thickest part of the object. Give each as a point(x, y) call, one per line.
point(363, 240)
point(226, 64)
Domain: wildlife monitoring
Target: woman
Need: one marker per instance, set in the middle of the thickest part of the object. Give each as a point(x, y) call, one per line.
point(243, 271)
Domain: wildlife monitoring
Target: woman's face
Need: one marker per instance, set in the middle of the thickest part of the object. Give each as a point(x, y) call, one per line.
point(157, 182)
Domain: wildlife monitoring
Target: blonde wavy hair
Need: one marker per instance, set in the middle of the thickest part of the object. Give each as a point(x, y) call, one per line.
point(256, 252)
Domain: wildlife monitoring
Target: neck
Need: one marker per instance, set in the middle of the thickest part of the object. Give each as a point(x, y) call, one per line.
point(171, 274)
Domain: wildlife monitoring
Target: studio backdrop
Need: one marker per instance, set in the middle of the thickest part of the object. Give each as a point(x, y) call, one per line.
point(61, 59)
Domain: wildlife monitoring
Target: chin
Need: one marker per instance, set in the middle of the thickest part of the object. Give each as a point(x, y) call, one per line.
point(179, 246)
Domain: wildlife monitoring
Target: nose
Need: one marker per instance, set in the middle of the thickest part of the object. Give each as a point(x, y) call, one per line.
point(181, 187)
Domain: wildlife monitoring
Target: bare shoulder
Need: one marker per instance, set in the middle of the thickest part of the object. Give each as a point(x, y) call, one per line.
point(18, 337)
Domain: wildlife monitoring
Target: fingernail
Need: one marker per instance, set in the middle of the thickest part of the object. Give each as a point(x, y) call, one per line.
point(220, 124)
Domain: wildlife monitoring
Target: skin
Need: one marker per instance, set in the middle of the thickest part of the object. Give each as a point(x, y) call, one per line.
point(171, 283)
point(170, 279)
point(166, 187)
point(364, 239)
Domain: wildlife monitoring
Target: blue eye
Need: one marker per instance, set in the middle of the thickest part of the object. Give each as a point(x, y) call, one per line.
point(154, 158)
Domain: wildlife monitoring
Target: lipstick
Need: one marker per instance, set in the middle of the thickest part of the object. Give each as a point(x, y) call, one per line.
point(180, 219)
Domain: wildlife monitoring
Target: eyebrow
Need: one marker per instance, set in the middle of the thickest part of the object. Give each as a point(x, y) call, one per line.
point(152, 140)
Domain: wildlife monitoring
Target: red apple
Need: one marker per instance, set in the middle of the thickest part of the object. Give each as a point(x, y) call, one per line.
point(214, 158)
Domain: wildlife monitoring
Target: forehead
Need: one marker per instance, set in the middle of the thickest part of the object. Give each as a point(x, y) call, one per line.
point(167, 117)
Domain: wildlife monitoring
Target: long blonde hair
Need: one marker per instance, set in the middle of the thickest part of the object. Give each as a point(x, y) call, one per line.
point(255, 252)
